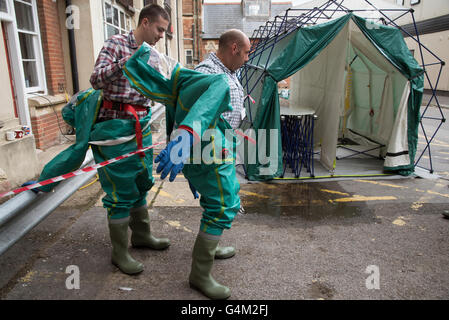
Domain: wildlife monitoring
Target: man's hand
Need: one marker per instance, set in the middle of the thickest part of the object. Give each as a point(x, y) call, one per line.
point(172, 158)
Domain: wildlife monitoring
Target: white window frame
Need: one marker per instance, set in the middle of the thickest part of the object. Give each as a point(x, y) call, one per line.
point(127, 18)
point(191, 55)
point(37, 44)
point(21, 92)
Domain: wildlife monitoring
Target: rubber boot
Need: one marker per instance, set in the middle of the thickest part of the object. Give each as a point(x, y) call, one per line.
point(141, 236)
point(120, 255)
point(224, 252)
point(200, 275)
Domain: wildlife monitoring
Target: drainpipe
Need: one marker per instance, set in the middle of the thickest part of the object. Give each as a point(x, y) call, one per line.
point(72, 49)
point(195, 35)
point(177, 29)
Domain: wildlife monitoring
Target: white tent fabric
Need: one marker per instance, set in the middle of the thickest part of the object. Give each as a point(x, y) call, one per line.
point(318, 86)
point(379, 96)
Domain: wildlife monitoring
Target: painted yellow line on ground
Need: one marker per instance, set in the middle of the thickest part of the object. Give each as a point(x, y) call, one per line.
point(436, 157)
point(425, 198)
point(438, 194)
point(164, 194)
point(356, 198)
point(177, 225)
point(441, 144)
point(335, 192)
point(416, 206)
point(249, 193)
point(382, 184)
point(399, 221)
point(443, 152)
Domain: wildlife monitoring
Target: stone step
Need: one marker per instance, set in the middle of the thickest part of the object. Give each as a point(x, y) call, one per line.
point(8, 125)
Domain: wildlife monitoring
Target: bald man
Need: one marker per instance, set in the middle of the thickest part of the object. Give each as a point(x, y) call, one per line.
point(233, 51)
point(232, 54)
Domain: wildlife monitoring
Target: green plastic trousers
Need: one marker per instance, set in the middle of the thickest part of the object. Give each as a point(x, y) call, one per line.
point(196, 101)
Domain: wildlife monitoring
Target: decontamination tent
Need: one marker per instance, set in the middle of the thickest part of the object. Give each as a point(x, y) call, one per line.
point(357, 76)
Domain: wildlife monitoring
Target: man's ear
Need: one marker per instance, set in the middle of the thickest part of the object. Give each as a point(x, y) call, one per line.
point(145, 22)
point(235, 48)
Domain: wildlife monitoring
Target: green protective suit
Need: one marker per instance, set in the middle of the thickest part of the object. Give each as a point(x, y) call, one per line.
point(196, 101)
point(125, 182)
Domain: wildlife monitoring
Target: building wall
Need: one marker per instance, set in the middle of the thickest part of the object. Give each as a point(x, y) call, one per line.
point(7, 105)
point(426, 9)
point(45, 111)
point(192, 30)
point(52, 46)
point(437, 42)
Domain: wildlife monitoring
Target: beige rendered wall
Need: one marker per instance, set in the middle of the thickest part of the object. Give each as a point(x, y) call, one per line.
point(175, 19)
point(426, 9)
point(89, 37)
point(438, 43)
point(7, 105)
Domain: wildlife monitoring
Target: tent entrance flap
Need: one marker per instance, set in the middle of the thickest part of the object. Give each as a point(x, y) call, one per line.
point(360, 110)
point(358, 88)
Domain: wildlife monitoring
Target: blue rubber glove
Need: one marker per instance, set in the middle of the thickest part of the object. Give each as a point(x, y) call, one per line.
point(172, 158)
point(194, 192)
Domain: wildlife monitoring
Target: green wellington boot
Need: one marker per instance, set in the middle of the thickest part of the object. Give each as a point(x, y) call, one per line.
point(139, 223)
point(120, 255)
point(200, 276)
point(224, 252)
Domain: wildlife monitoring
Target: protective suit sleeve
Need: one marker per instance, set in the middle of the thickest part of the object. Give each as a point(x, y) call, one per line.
point(83, 114)
point(206, 110)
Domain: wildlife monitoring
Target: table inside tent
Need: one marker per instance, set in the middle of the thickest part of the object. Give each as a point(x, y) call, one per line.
point(297, 126)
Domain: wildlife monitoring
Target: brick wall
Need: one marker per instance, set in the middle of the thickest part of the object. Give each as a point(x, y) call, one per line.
point(189, 19)
point(52, 45)
point(44, 120)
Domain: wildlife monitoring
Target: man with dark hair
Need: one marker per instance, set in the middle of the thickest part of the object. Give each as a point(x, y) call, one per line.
point(127, 182)
point(152, 12)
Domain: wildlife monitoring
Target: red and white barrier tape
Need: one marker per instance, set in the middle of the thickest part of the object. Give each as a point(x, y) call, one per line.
point(251, 99)
point(91, 168)
point(77, 172)
point(240, 133)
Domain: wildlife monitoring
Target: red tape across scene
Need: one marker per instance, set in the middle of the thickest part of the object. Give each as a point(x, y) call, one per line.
point(91, 168)
point(77, 172)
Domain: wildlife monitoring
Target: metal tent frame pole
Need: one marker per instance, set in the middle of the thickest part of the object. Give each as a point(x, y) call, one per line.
point(266, 37)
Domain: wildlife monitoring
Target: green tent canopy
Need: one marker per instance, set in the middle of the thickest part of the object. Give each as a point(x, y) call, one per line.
point(358, 77)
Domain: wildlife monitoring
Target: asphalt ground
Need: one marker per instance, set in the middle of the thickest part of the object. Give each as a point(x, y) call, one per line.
point(296, 241)
point(357, 239)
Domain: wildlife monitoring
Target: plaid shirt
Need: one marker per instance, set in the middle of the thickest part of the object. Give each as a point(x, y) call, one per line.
point(213, 65)
point(107, 75)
